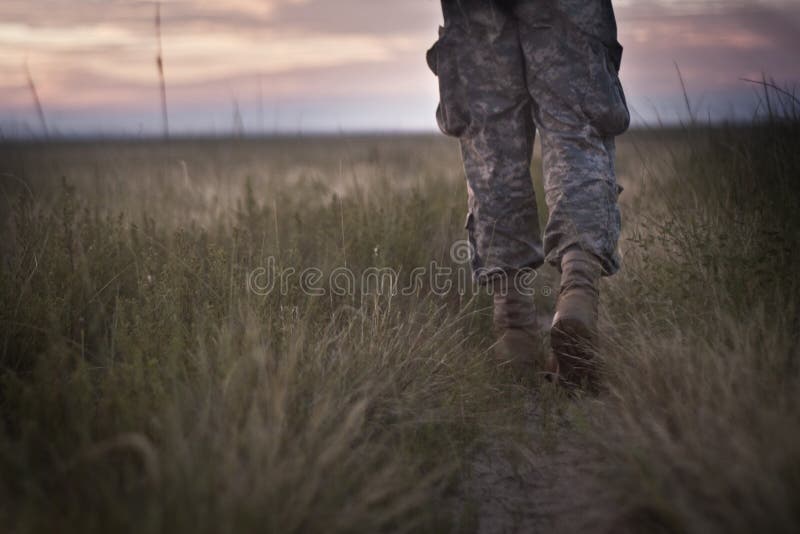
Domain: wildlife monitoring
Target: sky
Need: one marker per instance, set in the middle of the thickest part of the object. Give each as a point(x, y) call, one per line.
point(292, 66)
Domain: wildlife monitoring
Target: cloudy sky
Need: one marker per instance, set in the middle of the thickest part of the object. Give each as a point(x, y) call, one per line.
point(329, 65)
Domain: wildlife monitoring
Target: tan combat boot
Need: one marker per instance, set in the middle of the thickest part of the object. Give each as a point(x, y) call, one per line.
point(573, 336)
point(515, 325)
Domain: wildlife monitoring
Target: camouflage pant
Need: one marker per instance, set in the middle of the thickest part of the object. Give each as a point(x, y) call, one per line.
point(506, 69)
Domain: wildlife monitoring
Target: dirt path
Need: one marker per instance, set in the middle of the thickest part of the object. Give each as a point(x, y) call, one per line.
point(545, 488)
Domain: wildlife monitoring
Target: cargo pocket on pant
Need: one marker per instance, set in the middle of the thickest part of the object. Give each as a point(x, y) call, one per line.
point(606, 106)
point(452, 113)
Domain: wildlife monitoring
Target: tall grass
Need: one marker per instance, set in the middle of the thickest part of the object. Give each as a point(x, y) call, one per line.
point(143, 387)
point(701, 430)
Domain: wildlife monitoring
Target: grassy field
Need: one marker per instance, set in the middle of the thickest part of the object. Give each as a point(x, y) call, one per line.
point(146, 385)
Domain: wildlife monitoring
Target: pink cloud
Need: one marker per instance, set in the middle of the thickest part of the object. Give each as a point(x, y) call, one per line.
point(94, 57)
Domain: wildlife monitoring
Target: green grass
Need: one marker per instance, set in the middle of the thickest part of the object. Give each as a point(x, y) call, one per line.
point(702, 427)
point(145, 388)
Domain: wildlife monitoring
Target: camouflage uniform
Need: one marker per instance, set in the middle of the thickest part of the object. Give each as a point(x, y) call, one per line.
point(506, 69)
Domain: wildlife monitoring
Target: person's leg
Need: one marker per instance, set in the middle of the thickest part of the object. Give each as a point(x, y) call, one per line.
point(484, 102)
point(571, 56)
point(578, 109)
